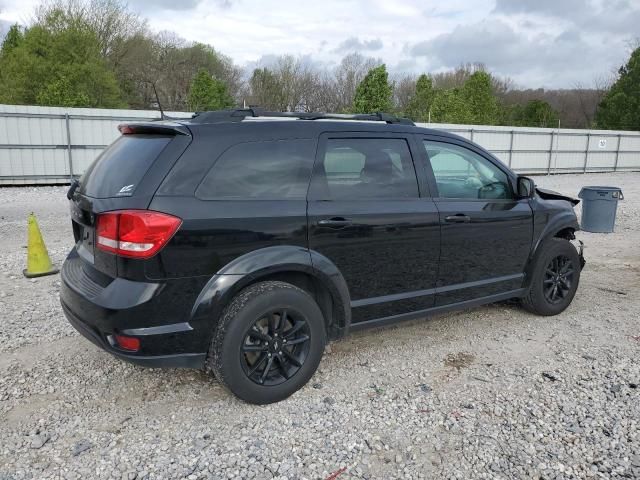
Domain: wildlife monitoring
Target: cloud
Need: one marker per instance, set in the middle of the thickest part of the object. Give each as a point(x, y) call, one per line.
point(554, 43)
point(354, 44)
point(548, 7)
point(4, 28)
point(404, 66)
point(617, 16)
point(528, 57)
point(143, 6)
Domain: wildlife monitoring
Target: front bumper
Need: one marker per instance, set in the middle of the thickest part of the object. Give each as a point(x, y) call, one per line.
point(147, 311)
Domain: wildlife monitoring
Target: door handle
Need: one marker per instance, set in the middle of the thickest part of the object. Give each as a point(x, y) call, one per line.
point(458, 218)
point(335, 222)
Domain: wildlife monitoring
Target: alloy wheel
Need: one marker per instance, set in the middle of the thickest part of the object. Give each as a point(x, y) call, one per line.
point(558, 279)
point(275, 347)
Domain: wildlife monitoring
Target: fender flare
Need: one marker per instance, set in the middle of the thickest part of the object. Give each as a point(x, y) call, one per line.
point(253, 266)
point(556, 224)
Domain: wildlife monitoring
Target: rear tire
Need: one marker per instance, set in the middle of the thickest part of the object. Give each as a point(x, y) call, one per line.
point(555, 278)
point(268, 343)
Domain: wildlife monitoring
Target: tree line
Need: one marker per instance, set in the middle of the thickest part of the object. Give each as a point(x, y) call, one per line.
point(98, 53)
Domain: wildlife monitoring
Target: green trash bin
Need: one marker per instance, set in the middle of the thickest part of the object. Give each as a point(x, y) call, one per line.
point(599, 206)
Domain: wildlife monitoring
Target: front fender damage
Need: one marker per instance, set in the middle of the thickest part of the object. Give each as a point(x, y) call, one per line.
point(551, 195)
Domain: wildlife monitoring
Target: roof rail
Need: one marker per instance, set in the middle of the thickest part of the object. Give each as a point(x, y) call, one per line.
point(255, 112)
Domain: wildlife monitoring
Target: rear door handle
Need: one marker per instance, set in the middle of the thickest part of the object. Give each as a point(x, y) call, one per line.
point(458, 218)
point(335, 222)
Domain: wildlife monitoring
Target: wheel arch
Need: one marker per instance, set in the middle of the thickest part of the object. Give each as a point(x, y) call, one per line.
point(561, 226)
point(299, 266)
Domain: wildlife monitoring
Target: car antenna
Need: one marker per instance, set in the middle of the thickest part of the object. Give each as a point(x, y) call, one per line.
point(155, 92)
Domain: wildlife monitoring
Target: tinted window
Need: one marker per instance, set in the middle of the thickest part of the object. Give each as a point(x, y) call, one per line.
point(365, 168)
point(121, 166)
point(277, 169)
point(462, 173)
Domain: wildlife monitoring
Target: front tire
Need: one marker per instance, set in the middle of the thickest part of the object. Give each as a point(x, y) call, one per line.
point(555, 278)
point(268, 343)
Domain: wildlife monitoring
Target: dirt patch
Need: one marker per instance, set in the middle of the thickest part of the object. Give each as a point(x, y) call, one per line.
point(459, 360)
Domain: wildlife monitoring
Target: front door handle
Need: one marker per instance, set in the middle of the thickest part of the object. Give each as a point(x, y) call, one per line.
point(458, 218)
point(335, 222)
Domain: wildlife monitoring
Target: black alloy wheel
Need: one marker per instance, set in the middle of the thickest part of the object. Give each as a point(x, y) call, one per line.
point(268, 342)
point(558, 279)
point(275, 347)
point(554, 278)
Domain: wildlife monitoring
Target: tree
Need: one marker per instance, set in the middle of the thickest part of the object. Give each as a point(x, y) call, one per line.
point(12, 40)
point(404, 90)
point(110, 20)
point(297, 81)
point(265, 89)
point(208, 93)
point(348, 75)
point(448, 107)
point(58, 63)
point(538, 113)
point(419, 107)
point(481, 106)
point(457, 77)
point(620, 107)
point(374, 93)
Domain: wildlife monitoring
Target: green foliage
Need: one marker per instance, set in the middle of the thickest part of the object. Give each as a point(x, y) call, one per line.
point(448, 107)
point(536, 113)
point(374, 93)
point(208, 93)
point(58, 64)
point(620, 107)
point(480, 105)
point(267, 90)
point(422, 101)
point(472, 103)
point(98, 53)
point(12, 40)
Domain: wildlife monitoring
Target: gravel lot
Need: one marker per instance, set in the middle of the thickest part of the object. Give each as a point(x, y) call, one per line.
point(493, 392)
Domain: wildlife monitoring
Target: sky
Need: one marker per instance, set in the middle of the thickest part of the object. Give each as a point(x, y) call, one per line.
point(536, 43)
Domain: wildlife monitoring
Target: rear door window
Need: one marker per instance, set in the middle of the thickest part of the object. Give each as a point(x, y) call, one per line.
point(355, 168)
point(121, 166)
point(266, 170)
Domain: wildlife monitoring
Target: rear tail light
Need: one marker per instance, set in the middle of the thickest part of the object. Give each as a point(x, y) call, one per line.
point(130, 344)
point(135, 233)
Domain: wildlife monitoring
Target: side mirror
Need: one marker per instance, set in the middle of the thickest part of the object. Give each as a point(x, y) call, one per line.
point(526, 187)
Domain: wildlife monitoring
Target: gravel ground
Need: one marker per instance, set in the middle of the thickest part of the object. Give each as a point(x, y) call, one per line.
point(492, 392)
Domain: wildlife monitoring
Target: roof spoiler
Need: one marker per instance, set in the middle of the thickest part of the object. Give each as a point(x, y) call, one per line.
point(151, 128)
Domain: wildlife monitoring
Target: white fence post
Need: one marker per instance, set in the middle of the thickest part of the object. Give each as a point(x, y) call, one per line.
point(70, 156)
point(586, 153)
point(615, 163)
point(550, 155)
point(510, 148)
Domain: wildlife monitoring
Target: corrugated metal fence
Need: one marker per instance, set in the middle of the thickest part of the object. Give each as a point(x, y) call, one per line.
point(546, 150)
point(49, 144)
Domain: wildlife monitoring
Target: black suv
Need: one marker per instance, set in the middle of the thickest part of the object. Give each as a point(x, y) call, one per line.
point(242, 242)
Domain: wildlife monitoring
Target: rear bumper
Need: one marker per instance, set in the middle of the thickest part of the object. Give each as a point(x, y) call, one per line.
point(147, 311)
point(181, 360)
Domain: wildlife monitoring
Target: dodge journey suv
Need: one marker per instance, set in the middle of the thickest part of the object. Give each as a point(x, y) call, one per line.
point(242, 241)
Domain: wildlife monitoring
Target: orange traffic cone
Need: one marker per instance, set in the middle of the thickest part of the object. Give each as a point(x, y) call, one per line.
point(38, 261)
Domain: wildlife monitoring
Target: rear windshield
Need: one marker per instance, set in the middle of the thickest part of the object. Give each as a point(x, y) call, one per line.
point(121, 166)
